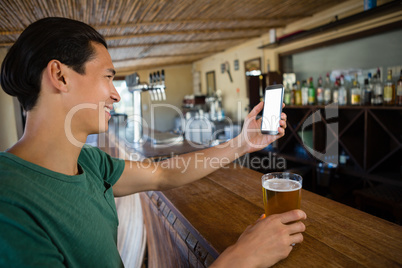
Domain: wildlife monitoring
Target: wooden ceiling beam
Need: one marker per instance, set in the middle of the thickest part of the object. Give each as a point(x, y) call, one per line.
point(187, 32)
point(131, 69)
point(185, 42)
point(271, 22)
point(268, 20)
point(172, 55)
point(7, 44)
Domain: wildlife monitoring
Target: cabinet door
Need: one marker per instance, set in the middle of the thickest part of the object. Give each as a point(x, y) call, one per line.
point(255, 89)
point(273, 78)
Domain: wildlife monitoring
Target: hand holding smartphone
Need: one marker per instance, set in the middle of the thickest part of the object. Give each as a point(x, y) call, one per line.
point(273, 99)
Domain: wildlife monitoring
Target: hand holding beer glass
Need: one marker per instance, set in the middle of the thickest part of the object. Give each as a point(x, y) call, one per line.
point(281, 192)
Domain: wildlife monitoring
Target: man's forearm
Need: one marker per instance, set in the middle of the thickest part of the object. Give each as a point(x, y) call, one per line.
point(183, 169)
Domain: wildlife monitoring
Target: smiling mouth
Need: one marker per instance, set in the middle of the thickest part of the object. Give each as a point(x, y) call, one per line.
point(107, 110)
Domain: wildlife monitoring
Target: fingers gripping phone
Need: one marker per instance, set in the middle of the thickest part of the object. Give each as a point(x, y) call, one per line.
point(271, 114)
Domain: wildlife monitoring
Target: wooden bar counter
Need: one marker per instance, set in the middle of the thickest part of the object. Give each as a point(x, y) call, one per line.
point(191, 225)
point(209, 215)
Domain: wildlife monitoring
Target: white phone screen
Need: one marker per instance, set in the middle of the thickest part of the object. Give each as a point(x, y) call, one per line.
point(272, 109)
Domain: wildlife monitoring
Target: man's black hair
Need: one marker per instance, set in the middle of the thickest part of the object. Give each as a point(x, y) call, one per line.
point(66, 40)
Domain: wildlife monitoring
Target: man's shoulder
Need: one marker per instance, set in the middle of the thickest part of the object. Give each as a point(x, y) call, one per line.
point(91, 153)
point(9, 165)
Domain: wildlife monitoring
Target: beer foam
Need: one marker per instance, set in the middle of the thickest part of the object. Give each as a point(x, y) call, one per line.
point(281, 185)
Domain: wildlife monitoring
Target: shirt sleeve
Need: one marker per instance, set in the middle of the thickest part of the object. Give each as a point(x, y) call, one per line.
point(111, 168)
point(23, 243)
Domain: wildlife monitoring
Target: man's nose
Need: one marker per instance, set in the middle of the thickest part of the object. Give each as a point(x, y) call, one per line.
point(115, 95)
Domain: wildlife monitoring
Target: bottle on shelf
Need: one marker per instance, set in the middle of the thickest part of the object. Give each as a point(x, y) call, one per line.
point(304, 93)
point(378, 90)
point(311, 92)
point(370, 84)
point(327, 91)
point(399, 91)
point(355, 92)
point(286, 97)
point(343, 93)
point(320, 92)
point(298, 97)
point(343, 158)
point(293, 95)
point(366, 93)
point(335, 92)
point(389, 90)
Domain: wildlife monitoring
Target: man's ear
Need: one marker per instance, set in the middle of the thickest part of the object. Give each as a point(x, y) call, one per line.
point(56, 72)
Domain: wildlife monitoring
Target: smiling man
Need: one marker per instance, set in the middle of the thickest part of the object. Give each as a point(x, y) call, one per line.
point(57, 196)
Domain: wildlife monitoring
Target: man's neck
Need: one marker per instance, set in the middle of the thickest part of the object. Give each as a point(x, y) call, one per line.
point(45, 143)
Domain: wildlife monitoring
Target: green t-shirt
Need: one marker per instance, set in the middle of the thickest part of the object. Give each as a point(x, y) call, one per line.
point(48, 219)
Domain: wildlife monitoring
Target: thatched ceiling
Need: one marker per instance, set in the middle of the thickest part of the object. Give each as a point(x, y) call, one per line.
point(152, 33)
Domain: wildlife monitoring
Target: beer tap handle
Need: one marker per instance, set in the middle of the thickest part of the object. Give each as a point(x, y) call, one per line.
point(163, 93)
point(151, 94)
point(160, 94)
point(154, 79)
point(150, 80)
point(163, 77)
point(158, 77)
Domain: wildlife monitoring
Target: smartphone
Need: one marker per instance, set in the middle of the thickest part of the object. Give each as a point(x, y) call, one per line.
point(271, 114)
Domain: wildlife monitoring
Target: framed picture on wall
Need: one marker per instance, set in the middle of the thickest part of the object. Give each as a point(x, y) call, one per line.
point(211, 85)
point(236, 65)
point(253, 67)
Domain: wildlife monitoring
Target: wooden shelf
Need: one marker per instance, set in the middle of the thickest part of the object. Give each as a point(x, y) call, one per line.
point(371, 137)
point(337, 24)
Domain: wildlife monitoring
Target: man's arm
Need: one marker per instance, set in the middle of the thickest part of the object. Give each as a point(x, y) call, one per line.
point(183, 169)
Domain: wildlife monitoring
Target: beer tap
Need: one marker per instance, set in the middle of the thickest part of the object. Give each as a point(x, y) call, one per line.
point(158, 94)
point(158, 76)
point(163, 84)
point(151, 93)
point(136, 88)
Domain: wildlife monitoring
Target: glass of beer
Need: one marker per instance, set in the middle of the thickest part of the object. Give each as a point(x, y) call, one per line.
point(281, 192)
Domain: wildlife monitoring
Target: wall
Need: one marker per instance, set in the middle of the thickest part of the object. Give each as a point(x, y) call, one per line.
point(178, 82)
point(234, 95)
point(8, 125)
point(249, 50)
point(382, 50)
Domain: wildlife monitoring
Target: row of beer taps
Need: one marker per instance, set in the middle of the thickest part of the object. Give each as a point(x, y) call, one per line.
point(157, 86)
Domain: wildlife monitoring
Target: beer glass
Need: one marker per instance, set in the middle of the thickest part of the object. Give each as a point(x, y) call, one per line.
point(281, 192)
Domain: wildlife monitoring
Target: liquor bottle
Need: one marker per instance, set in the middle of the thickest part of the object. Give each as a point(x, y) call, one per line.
point(343, 158)
point(335, 92)
point(304, 93)
point(327, 91)
point(286, 97)
point(399, 91)
point(298, 97)
point(366, 93)
point(355, 92)
point(378, 89)
point(293, 94)
point(311, 92)
point(389, 90)
point(320, 92)
point(370, 82)
point(343, 93)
